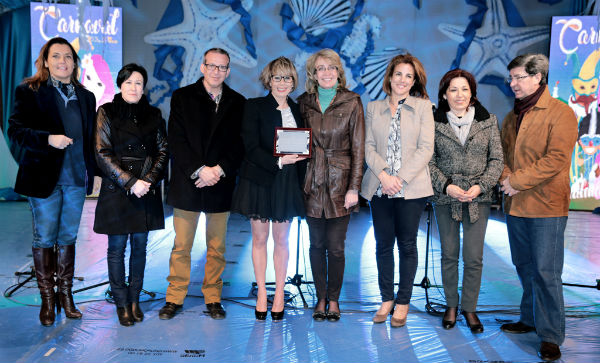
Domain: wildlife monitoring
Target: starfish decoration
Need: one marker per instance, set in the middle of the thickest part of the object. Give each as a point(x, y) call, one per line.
point(202, 28)
point(496, 43)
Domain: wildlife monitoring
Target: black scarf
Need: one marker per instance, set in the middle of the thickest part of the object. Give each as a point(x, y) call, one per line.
point(525, 104)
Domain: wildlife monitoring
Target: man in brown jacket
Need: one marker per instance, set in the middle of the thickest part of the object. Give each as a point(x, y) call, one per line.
point(538, 137)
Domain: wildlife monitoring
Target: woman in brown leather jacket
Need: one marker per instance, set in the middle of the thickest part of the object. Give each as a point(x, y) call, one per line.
point(334, 173)
point(131, 152)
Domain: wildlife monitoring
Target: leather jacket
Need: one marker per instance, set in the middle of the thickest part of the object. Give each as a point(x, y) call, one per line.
point(338, 152)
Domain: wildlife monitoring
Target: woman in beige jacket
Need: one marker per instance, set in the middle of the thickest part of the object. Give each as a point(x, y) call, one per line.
point(398, 147)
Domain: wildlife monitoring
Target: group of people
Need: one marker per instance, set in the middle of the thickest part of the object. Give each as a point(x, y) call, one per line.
point(222, 161)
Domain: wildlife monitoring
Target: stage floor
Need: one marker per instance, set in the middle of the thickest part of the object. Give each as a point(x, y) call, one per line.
point(194, 337)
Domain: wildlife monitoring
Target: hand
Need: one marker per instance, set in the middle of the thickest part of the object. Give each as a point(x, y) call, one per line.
point(59, 141)
point(458, 193)
point(351, 199)
point(390, 185)
point(97, 184)
point(291, 159)
point(140, 188)
point(473, 192)
point(507, 188)
point(208, 176)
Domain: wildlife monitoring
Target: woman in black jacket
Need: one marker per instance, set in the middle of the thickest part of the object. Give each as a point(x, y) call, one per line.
point(131, 152)
point(53, 122)
point(269, 189)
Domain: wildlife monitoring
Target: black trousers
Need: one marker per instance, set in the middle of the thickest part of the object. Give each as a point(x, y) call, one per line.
point(396, 220)
point(327, 259)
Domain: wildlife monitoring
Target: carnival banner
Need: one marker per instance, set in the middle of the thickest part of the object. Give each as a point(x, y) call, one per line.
point(95, 35)
point(573, 79)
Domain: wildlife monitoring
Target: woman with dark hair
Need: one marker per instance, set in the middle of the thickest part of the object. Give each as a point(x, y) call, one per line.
point(465, 167)
point(535, 180)
point(131, 151)
point(269, 191)
point(333, 175)
point(398, 147)
point(53, 122)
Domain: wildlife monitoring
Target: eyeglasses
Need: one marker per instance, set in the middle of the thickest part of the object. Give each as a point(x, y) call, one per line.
point(286, 79)
point(509, 79)
point(212, 67)
point(328, 68)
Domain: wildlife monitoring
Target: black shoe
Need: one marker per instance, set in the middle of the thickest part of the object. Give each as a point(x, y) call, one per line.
point(473, 322)
point(216, 311)
point(260, 315)
point(449, 319)
point(125, 315)
point(276, 316)
point(516, 328)
point(137, 313)
point(549, 351)
point(168, 311)
point(333, 316)
point(319, 315)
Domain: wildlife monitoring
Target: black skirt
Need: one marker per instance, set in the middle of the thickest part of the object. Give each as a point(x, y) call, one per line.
point(279, 202)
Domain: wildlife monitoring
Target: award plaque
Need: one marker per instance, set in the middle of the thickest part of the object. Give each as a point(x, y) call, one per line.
point(292, 141)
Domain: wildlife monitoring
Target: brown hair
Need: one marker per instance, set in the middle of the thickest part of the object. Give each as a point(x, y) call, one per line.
point(533, 64)
point(445, 83)
point(418, 89)
point(42, 73)
point(281, 65)
point(311, 72)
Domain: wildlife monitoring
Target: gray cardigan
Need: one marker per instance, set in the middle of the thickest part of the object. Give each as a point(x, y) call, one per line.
point(478, 162)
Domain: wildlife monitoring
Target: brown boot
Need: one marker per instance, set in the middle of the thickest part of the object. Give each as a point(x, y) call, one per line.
point(64, 274)
point(43, 260)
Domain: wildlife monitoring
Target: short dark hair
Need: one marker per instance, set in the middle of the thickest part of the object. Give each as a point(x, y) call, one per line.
point(220, 51)
point(445, 83)
point(128, 70)
point(533, 64)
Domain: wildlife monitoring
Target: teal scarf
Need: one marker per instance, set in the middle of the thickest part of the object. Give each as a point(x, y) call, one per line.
point(326, 96)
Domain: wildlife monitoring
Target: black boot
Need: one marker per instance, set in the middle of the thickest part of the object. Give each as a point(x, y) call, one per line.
point(64, 275)
point(43, 260)
point(136, 312)
point(125, 315)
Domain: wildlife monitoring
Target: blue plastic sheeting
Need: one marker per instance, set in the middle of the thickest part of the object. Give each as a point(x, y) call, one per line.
point(193, 336)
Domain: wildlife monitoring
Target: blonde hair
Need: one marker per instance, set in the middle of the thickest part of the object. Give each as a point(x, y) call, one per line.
point(281, 65)
point(311, 71)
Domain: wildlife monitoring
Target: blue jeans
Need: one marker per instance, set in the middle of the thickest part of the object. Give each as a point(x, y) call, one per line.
point(115, 257)
point(56, 218)
point(396, 220)
point(537, 249)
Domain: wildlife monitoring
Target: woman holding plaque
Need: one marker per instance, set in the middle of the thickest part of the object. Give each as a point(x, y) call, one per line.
point(334, 172)
point(131, 152)
point(399, 144)
point(269, 191)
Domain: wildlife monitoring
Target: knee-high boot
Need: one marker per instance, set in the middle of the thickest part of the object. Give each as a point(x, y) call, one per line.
point(44, 262)
point(64, 275)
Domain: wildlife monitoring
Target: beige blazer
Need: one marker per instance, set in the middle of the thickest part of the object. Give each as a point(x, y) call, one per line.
point(417, 133)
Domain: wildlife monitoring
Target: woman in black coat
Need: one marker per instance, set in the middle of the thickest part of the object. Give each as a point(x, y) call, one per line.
point(131, 152)
point(269, 189)
point(53, 122)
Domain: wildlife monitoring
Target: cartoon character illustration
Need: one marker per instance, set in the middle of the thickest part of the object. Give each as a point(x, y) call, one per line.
point(585, 84)
point(96, 78)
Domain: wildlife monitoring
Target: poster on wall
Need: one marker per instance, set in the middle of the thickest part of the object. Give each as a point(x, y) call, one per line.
point(573, 78)
point(97, 39)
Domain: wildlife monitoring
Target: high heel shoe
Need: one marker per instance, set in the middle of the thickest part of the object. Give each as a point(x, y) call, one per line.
point(473, 322)
point(277, 315)
point(382, 318)
point(449, 319)
point(399, 322)
point(260, 315)
point(333, 316)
